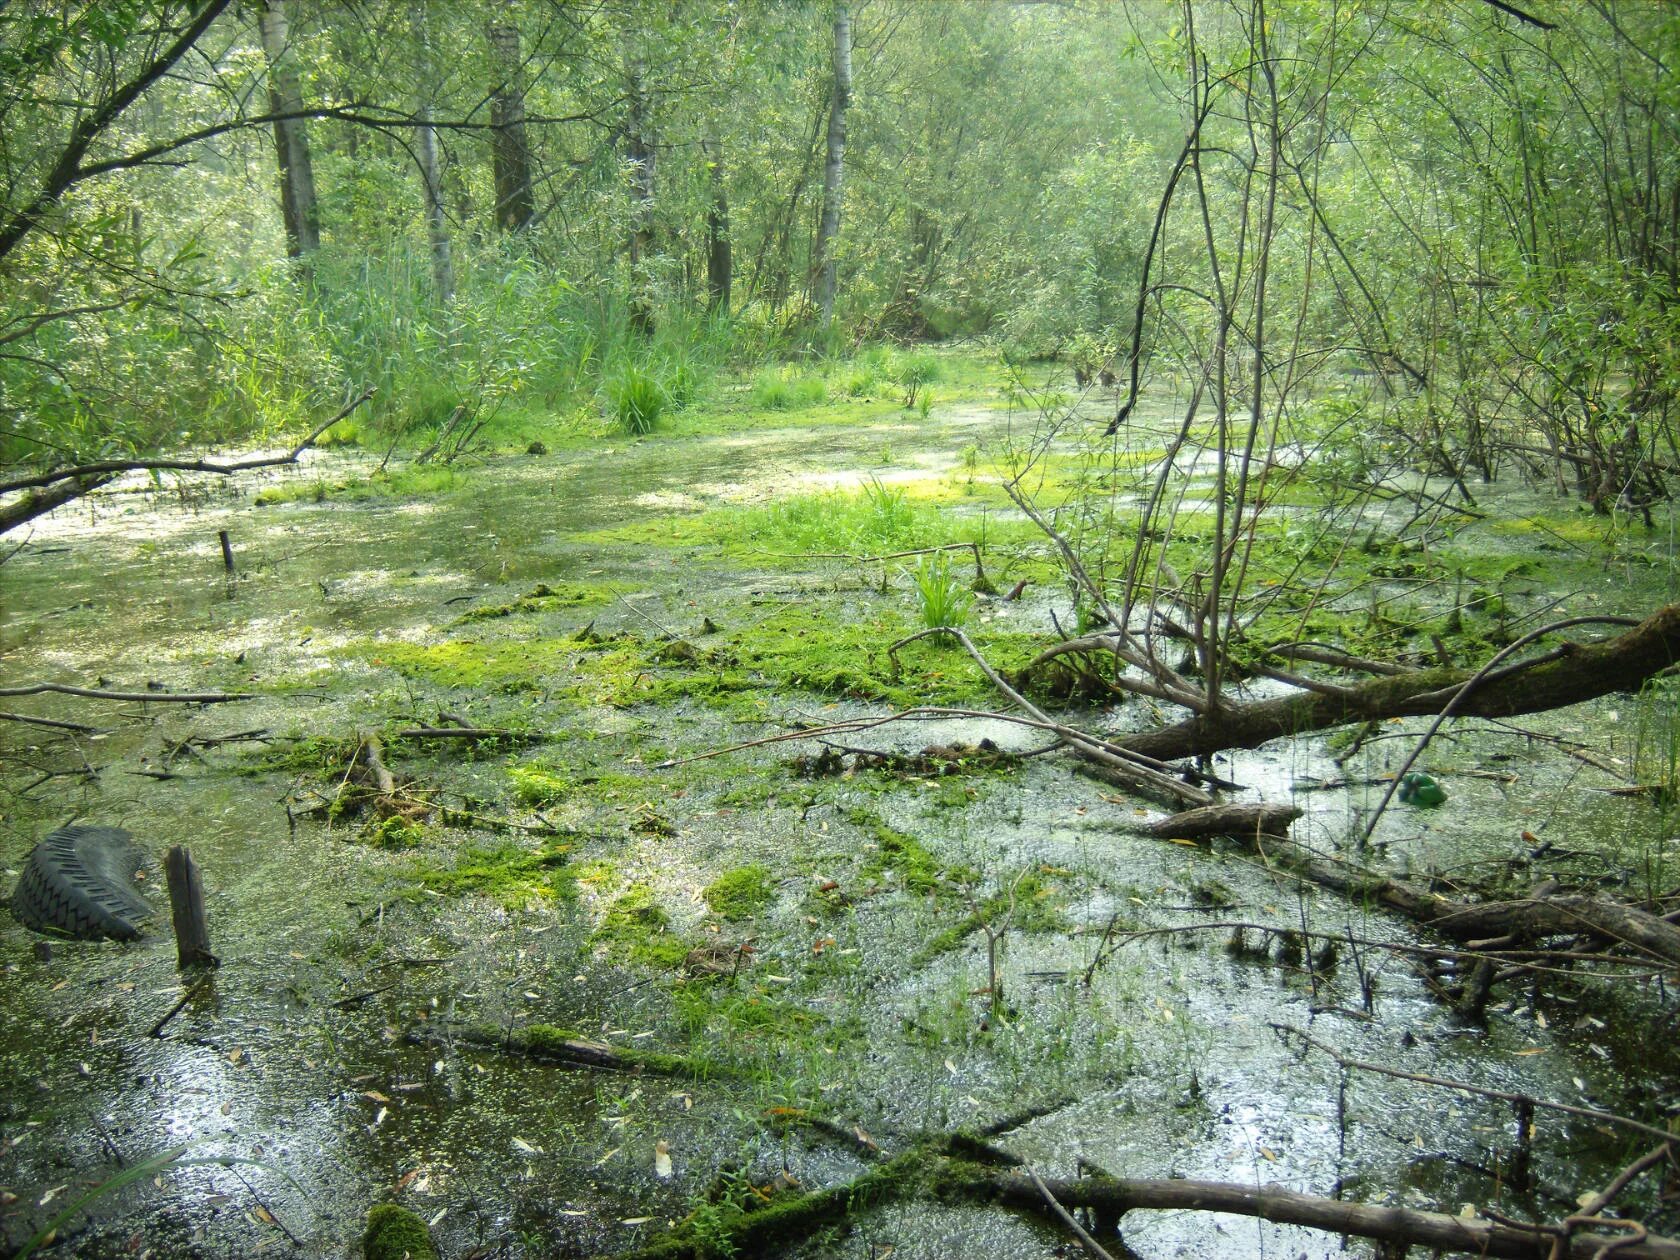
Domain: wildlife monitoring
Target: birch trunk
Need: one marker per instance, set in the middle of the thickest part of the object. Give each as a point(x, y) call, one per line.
point(834, 171)
point(431, 169)
point(291, 139)
point(720, 255)
point(640, 147)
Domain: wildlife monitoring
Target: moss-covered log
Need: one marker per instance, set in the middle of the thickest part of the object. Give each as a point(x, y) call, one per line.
point(929, 1172)
point(562, 1046)
point(1577, 672)
point(1226, 820)
point(771, 1228)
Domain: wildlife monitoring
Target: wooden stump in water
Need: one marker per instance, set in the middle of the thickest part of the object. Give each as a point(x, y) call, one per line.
point(186, 906)
point(1226, 820)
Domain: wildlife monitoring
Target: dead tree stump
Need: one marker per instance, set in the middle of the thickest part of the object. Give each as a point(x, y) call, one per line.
point(186, 906)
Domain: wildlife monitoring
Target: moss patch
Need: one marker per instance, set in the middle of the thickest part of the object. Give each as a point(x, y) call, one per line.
point(740, 893)
point(636, 929)
point(497, 666)
point(1035, 911)
point(515, 877)
point(407, 483)
point(395, 1233)
point(394, 832)
point(538, 787)
point(899, 855)
point(546, 597)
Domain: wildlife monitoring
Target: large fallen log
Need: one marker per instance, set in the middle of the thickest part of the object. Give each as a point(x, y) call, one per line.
point(933, 1172)
point(1464, 1234)
point(1569, 675)
point(1565, 914)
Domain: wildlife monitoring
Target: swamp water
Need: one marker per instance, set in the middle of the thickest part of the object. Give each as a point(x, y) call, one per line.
point(812, 943)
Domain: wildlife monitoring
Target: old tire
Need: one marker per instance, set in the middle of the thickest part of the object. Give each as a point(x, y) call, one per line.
point(80, 881)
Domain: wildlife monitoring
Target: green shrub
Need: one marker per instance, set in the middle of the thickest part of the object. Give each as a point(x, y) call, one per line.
point(636, 397)
point(784, 389)
point(539, 787)
point(914, 372)
point(878, 518)
point(740, 893)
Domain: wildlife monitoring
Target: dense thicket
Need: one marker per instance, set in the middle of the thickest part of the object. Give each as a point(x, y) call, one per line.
point(218, 219)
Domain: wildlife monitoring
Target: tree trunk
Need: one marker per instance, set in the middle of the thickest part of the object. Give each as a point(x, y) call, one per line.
point(640, 149)
point(510, 152)
point(1576, 672)
point(431, 169)
point(835, 170)
point(720, 257)
point(291, 138)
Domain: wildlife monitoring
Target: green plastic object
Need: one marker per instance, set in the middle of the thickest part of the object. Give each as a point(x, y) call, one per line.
point(1420, 789)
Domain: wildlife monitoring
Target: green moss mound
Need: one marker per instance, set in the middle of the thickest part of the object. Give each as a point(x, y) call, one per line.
point(394, 1233)
point(740, 893)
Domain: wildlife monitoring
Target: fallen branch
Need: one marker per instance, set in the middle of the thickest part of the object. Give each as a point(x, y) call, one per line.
point(561, 1046)
point(1483, 1091)
point(1554, 915)
point(1468, 1235)
point(99, 693)
point(472, 734)
point(52, 723)
point(107, 468)
point(1142, 773)
point(934, 1171)
point(1574, 673)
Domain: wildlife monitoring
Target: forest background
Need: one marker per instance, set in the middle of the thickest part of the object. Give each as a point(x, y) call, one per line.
point(222, 221)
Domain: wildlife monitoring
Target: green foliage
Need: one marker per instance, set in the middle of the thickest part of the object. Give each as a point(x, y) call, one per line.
point(943, 598)
point(878, 517)
point(740, 893)
point(395, 1233)
point(636, 396)
point(395, 832)
point(785, 388)
point(540, 787)
point(914, 372)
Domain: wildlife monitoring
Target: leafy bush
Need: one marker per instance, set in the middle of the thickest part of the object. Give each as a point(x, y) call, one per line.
point(914, 372)
point(879, 518)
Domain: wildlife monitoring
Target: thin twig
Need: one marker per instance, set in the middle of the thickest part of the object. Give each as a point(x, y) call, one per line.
point(1066, 1217)
point(80, 727)
point(1589, 1113)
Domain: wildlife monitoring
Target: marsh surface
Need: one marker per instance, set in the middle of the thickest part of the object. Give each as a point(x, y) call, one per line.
point(815, 943)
